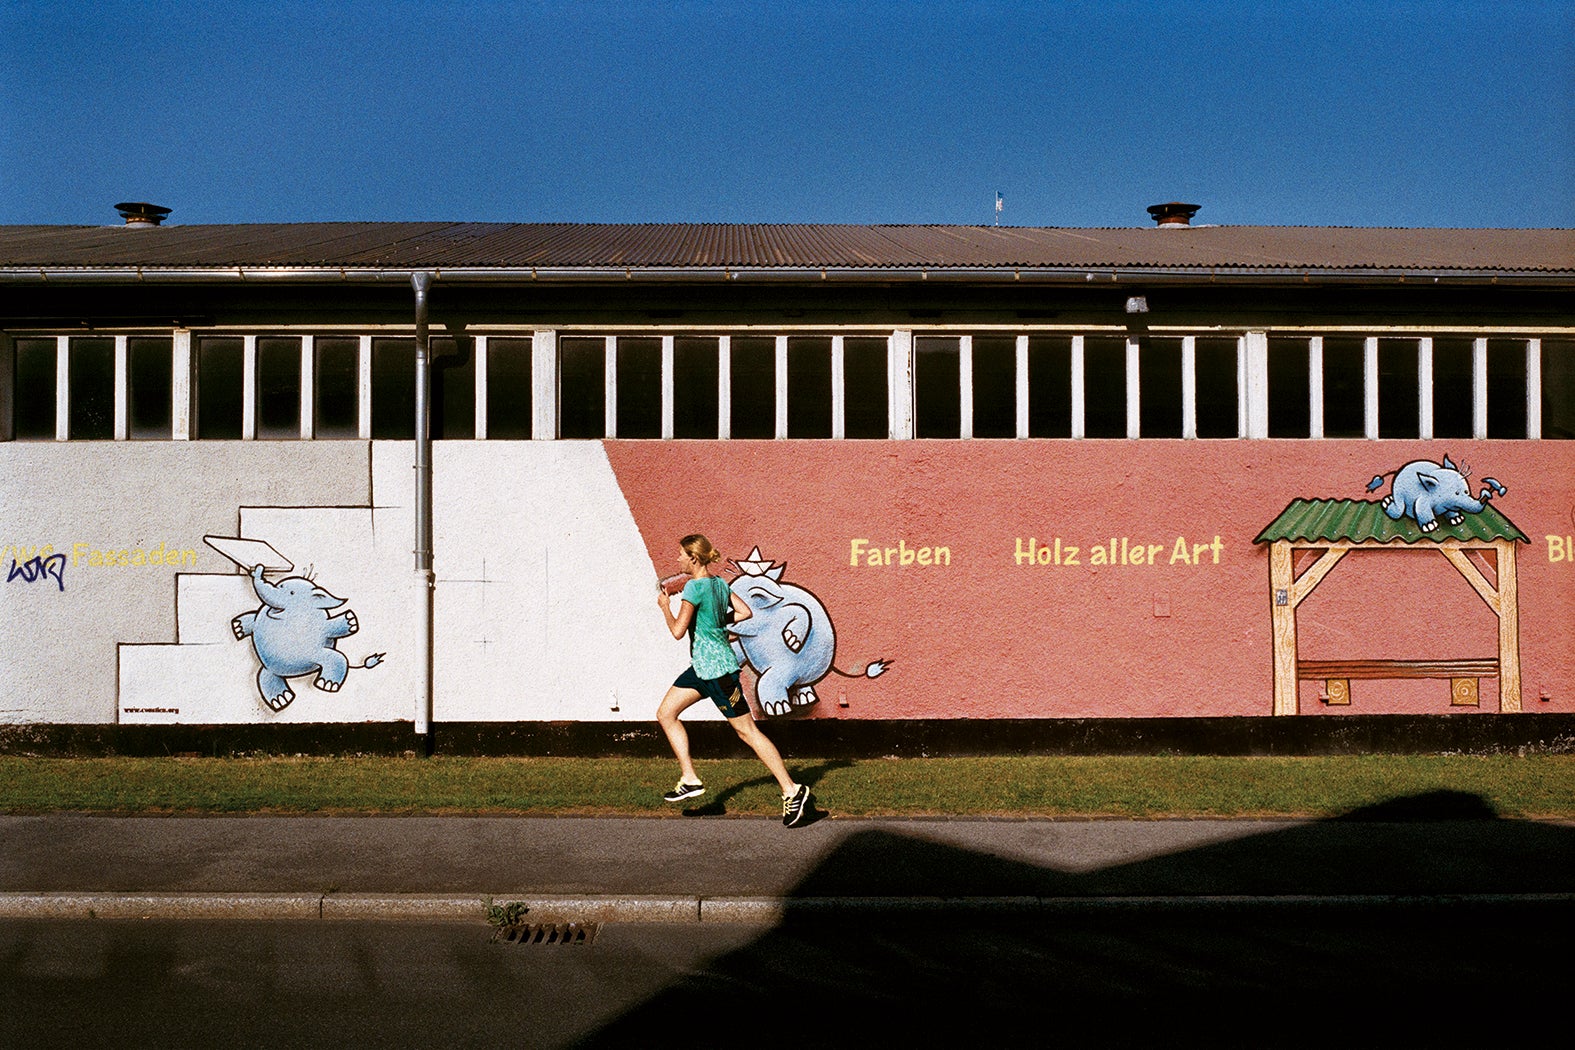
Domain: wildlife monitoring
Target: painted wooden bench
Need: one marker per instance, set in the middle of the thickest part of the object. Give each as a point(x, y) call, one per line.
point(1464, 675)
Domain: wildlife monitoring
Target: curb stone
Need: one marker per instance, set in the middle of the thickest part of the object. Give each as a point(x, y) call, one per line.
point(652, 909)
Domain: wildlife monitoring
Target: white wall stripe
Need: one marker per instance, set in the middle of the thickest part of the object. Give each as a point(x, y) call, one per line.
point(1424, 389)
point(610, 374)
point(1134, 388)
point(308, 386)
point(1252, 351)
point(479, 349)
point(364, 389)
point(544, 384)
point(1479, 389)
point(965, 385)
point(900, 384)
point(248, 388)
point(724, 386)
point(782, 386)
point(1315, 387)
point(1370, 387)
point(839, 388)
point(62, 387)
point(1079, 401)
point(667, 387)
point(1533, 389)
point(122, 390)
point(1022, 386)
point(180, 385)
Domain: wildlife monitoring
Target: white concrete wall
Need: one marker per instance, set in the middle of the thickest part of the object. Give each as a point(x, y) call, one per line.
point(545, 591)
point(60, 638)
point(543, 595)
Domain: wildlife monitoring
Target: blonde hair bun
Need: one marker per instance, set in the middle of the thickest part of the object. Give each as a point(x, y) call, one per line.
point(699, 548)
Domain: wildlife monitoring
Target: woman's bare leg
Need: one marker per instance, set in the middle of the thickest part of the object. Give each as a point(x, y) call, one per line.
point(675, 703)
point(749, 733)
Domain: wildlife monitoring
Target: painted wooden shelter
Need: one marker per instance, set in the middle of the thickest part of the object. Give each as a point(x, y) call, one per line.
point(1320, 533)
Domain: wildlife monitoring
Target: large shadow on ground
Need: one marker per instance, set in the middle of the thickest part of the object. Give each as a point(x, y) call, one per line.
point(1426, 921)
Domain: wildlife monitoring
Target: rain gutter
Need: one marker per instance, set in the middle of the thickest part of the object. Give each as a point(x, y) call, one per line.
point(1069, 275)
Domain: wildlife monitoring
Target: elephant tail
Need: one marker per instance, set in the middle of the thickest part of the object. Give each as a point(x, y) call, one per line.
point(875, 669)
point(1378, 480)
point(370, 661)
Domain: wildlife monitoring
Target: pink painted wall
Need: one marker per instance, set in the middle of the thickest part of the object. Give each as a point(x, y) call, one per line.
point(1167, 634)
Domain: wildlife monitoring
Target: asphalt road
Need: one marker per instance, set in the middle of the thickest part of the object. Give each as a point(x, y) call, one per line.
point(1237, 974)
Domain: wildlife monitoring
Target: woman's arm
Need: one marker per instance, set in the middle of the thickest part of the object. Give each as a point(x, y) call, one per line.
point(741, 609)
point(678, 625)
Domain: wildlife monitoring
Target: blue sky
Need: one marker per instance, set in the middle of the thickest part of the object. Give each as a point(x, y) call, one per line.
point(1341, 113)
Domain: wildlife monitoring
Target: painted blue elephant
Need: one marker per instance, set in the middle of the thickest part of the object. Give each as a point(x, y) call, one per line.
point(788, 638)
point(294, 635)
point(1425, 491)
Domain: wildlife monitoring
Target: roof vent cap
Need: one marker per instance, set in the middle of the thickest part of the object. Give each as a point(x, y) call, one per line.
point(1174, 213)
point(141, 213)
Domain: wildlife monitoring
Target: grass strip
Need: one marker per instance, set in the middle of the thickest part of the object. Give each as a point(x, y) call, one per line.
point(1541, 786)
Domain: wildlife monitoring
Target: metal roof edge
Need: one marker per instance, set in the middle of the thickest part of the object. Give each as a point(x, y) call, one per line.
point(1064, 274)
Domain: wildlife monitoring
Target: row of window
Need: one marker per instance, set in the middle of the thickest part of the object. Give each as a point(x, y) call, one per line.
point(903, 384)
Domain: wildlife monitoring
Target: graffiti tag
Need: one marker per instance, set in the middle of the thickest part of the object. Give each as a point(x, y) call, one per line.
point(37, 569)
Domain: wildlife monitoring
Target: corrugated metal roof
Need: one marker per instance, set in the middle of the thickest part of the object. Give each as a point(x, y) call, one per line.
point(1252, 249)
point(1358, 521)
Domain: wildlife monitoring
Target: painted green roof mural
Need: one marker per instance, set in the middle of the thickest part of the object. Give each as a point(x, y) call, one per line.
point(1358, 520)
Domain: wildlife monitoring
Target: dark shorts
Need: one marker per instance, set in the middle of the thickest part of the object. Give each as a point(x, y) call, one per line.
point(723, 692)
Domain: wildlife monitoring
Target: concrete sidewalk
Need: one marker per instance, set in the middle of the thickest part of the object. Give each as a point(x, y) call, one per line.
point(738, 869)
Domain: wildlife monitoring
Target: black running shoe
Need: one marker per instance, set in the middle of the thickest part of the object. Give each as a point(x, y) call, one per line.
point(681, 791)
point(797, 807)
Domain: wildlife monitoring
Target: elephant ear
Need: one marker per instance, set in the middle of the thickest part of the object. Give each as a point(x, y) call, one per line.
point(1448, 465)
point(1429, 482)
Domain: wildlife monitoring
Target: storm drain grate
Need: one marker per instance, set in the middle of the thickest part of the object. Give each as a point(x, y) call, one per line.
point(562, 933)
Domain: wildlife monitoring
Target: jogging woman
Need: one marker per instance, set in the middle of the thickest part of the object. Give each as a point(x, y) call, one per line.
point(713, 674)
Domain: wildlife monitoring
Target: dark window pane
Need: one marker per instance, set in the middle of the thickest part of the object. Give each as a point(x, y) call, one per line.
point(394, 389)
point(1397, 389)
point(1558, 388)
point(1049, 386)
point(865, 390)
point(1215, 377)
point(1159, 388)
point(149, 373)
point(453, 388)
point(34, 395)
point(278, 387)
point(582, 391)
point(809, 387)
point(1288, 391)
point(1104, 387)
point(937, 391)
point(336, 388)
point(1506, 392)
point(91, 381)
point(220, 387)
point(1452, 388)
point(1343, 405)
point(695, 369)
point(639, 387)
point(509, 389)
point(995, 386)
point(754, 387)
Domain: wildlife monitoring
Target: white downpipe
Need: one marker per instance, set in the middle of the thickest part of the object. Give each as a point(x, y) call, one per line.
point(422, 283)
